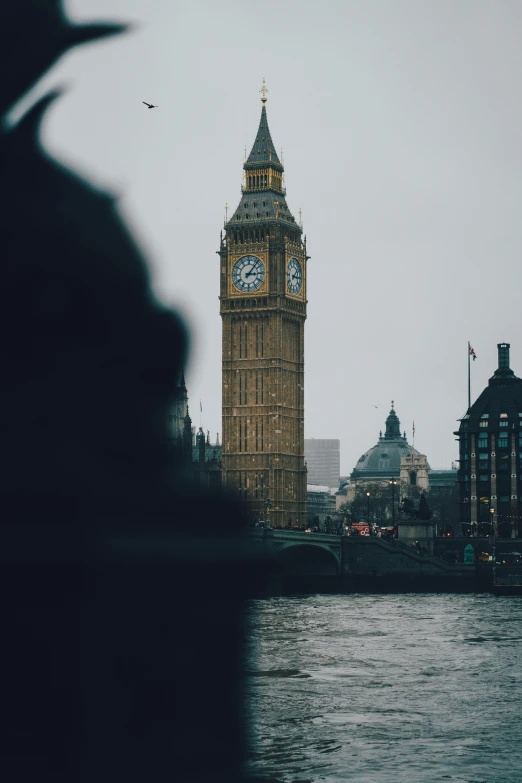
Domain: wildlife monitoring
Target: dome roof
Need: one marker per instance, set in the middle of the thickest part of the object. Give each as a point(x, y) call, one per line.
point(384, 459)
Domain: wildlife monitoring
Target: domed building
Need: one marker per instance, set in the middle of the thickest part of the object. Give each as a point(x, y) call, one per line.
point(392, 471)
point(391, 457)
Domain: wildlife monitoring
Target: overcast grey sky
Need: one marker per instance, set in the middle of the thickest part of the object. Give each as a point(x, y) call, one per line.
point(401, 125)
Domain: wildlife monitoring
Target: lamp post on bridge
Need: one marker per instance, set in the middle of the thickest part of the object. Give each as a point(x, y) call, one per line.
point(268, 506)
point(393, 483)
point(368, 508)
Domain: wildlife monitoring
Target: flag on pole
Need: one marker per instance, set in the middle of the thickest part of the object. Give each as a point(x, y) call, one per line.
point(413, 428)
point(200, 407)
point(472, 353)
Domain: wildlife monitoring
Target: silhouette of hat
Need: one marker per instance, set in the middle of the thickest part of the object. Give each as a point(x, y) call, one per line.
point(43, 24)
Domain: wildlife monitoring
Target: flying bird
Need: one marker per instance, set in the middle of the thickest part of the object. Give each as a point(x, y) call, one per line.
point(149, 105)
point(377, 406)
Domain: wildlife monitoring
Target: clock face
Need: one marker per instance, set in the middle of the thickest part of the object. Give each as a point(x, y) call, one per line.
point(248, 273)
point(294, 276)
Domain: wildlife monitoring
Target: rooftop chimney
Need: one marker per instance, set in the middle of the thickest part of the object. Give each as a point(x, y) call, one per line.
point(504, 373)
point(503, 356)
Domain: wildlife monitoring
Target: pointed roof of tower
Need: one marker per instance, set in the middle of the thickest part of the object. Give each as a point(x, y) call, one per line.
point(263, 150)
point(264, 192)
point(393, 425)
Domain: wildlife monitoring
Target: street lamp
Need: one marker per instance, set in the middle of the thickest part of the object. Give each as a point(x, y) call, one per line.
point(393, 482)
point(492, 512)
point(268, 506)
point(368, 508)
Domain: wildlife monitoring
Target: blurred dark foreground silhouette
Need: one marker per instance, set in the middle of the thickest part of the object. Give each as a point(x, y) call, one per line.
point(121, 606)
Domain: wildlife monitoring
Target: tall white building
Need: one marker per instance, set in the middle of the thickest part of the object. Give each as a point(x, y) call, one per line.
point(323, 460)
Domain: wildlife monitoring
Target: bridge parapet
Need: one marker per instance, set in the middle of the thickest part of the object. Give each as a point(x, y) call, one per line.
point(275, 541)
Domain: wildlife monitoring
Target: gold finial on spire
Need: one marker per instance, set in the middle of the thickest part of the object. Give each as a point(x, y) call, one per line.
point(393, 404)
point(300, 216)
point(226, 212)
point(263, 91)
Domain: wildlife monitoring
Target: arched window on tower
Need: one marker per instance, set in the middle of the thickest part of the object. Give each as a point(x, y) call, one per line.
point(413, 478)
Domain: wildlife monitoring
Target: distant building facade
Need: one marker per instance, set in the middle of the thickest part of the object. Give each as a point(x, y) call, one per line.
point(320, 503)
point(179, 422)
point(206, 461)
point(323, 461)
point(490, 445)
point(414, 471)
point(201, 458)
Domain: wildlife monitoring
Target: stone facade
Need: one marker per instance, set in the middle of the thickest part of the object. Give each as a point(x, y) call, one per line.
point(414, 472)
point(263, 259)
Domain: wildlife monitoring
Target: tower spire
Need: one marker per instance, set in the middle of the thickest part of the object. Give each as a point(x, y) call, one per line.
point(263, 91)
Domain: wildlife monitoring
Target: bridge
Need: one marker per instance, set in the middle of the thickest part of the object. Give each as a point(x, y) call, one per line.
point(299, 553)
point(357, 561)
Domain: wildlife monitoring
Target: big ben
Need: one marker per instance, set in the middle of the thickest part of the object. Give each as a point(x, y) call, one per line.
point(263, 309)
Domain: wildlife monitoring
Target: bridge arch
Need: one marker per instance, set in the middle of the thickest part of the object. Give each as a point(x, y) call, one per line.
point(307, 559)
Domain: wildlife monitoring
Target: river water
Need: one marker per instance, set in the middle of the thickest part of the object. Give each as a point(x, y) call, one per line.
point(403, 688)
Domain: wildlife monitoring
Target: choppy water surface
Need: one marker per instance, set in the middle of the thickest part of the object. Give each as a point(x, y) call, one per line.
point(401, 688)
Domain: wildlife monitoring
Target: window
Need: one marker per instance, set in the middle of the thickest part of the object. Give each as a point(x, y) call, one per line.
point(260, 340)
point(483, 423)
point(243, 341)
point(503, 423)
point(502, 440)
point(483, 440)
point(243, 388)
point(483, 477)
point(503, 462)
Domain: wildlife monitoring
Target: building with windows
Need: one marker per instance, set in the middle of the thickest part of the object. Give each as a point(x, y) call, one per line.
point(320, 504)
point(323, 461)
point(490, 444)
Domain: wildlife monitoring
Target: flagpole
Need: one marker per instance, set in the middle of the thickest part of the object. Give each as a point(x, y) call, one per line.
point(469, 375)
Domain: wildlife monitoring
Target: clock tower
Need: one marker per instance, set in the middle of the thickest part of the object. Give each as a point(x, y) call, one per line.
point(263, 310)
